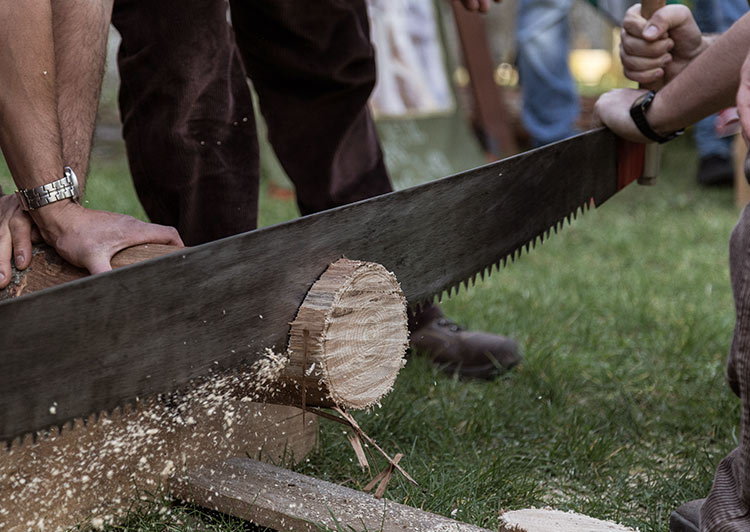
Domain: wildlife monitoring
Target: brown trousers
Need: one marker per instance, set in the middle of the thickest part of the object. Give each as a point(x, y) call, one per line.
point(727, 508)
point(188, 118)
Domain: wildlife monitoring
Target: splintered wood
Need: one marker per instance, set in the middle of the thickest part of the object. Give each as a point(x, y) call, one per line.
point(276, 498)
point(549, 520)
point(350, 336)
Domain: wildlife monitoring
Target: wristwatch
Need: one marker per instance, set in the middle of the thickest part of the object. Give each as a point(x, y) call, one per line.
point(638, 114)
point(64, 188)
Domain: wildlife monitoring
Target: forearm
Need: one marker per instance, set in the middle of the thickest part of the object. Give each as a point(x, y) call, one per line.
point(80, 30)
point(708, 84)
point(29, 127)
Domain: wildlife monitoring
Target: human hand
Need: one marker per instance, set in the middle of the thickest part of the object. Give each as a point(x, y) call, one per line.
point(654, 51)
point(612, 109)
point(478, 5)
point(17, 233)
point(89, 239)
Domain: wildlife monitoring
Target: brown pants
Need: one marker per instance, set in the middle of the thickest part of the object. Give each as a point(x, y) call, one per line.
point(727, 508)
point(188, 117)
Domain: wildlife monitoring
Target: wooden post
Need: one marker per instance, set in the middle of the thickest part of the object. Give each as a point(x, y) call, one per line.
point(491, 116)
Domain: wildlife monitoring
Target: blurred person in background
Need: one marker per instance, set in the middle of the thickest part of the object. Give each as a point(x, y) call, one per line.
point(550, 105)
point(715, 152)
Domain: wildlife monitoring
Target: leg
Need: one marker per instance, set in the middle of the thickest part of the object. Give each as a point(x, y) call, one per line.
point(187, 117)
point(727, 507)
point(550, 97)
point(313, 89)
point(715, 154)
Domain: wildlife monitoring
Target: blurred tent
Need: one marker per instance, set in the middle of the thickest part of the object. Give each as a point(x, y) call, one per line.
point(424, 132)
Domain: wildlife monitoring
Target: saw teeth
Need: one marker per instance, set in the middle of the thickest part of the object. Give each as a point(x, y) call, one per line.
point(482, 274)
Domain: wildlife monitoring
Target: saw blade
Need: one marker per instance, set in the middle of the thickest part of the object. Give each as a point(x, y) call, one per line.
point(97, 343)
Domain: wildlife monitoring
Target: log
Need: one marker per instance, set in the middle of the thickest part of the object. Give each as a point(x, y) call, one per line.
point(349, 339)
point(346, 345)
point(282, 500)
point(48, 269)
point(550, 520)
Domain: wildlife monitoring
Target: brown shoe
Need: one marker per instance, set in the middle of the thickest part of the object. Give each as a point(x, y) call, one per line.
point(687, 517)
point(476, 355)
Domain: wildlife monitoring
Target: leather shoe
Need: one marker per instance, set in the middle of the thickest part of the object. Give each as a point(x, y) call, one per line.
point(453, 349)
point(687, 517)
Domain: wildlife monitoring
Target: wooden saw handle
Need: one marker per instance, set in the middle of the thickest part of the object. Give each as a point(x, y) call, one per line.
point(652, 164)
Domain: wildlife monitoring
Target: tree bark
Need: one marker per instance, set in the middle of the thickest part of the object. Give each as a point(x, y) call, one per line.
point(48, 269)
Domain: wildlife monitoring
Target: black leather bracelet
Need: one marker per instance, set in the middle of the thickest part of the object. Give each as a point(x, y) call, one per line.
point(638, 114)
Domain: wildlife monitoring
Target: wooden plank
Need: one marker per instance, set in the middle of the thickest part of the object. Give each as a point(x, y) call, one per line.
point(280, 499)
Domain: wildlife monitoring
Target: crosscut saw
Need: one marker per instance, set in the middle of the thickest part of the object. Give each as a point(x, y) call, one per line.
point(98, 343)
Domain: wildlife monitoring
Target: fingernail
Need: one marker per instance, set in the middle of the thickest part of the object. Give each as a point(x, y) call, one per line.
point(2, 277)
point(651, 31)
point(20, 259)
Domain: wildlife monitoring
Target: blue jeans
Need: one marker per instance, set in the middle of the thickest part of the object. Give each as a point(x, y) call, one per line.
point(550, 97)
point(715, 16)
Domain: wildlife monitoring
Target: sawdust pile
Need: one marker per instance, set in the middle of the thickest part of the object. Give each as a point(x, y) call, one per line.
point(91, 471)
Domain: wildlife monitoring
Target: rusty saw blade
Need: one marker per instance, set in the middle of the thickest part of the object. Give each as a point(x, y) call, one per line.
point(94, 344)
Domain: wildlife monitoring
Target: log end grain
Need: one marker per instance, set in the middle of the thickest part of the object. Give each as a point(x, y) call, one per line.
point(350, 334)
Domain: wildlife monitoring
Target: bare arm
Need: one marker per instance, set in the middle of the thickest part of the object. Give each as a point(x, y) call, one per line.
point(707, 84)
point(30, 132)
point(80, 29)
point(29, 128)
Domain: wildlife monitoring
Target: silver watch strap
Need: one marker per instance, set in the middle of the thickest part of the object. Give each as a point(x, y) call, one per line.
point(64, 188)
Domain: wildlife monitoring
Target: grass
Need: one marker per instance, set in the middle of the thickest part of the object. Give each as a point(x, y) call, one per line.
point(620, 409)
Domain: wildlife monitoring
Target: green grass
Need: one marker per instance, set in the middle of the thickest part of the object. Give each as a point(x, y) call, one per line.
point(620, 409)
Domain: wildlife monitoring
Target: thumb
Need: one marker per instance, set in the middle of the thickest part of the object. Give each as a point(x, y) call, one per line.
point(665, 19)
point(98, 264)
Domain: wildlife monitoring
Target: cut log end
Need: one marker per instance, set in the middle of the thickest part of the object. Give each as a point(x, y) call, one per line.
point(350, 335)
point(550, 520)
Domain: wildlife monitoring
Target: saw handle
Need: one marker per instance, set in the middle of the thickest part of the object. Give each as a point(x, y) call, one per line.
point(652, 164)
